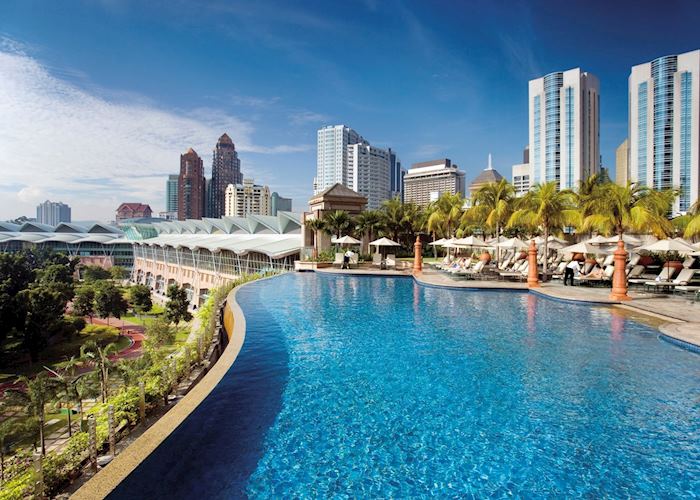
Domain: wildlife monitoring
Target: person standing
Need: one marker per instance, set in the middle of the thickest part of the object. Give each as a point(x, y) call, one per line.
point(572, 269)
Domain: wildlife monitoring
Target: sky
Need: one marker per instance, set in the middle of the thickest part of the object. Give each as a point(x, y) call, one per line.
point(99, 98)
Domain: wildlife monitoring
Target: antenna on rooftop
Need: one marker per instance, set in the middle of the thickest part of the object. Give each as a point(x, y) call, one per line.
point(490, 167)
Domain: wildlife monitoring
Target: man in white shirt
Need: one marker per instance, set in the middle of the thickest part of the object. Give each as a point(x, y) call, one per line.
point(346, 259)
point(572, 269)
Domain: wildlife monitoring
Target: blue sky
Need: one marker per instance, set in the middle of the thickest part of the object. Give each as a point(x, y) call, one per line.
point(116, 90)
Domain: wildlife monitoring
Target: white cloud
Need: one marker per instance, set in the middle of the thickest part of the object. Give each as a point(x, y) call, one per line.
point(304, 117)
point(94, 152)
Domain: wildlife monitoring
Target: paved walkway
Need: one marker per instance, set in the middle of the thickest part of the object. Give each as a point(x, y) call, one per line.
point(688, 332)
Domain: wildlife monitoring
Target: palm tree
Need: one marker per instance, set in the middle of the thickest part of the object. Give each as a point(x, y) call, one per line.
point(546, 208)
point(392, 217)
point(336, 222)
point(36, 394)
point(445, 214)
point(315, 225)
point(615, 209)
point(368, 223)
point(66, 388)
point(492, 206)
point(692, 229)
point(100, 358)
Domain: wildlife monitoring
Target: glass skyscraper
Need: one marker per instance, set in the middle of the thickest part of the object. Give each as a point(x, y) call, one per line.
point(663, 126)
point(564, 124)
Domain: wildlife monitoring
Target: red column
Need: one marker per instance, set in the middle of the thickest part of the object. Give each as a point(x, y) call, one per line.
point(619, 286)
point(532, 276)
point(418, 255)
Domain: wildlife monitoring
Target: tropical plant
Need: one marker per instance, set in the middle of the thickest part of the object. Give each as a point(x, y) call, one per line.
point(402, 221)
point(65, 392)
point(109, 301)
point(368, 224)
point(615, 209)
point(692, 229)
point(99, 357)
point(336, 222)
point(44, 307)
point(444, 215)
point(159, 333)
point(315, 225)
point(140, 299)
point(8, 428)
point(492, 206)
point(84, 301)
point(546, 208)
point(33, 396)
point(95, 273)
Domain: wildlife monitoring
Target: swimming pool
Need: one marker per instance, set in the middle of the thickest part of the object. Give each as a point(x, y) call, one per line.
point(378, 387)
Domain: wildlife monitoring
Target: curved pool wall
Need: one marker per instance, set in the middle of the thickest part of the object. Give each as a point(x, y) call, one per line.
point(363, 386)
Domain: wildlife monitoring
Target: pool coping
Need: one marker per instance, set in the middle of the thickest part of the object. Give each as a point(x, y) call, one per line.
point(108, 479)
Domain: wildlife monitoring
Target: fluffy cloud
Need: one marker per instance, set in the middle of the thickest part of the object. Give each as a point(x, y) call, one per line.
point(60, 141)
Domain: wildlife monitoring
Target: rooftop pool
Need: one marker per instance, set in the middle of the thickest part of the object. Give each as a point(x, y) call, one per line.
point(351, 386)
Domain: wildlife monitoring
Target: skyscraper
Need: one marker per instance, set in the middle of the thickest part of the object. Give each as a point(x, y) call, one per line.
point(369, 173)
point(564, 124)
point(332, 155)
point(621, 163)
point(396, 179)
point(426, 181)
point(225, 170)
point(190, 187)
point(52, 213)
point(171, 194)
point(664, 127)
point(247, 198)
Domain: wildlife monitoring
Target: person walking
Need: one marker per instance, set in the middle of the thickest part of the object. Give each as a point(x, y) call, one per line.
point(572, 269)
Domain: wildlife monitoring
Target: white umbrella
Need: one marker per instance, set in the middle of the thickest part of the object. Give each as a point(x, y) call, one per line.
point(627, 239)
point(597, 240)
point(345, 240)
point(441, 241)
point(539, 240)
point(668, 245)
point(470, 241)
point(584, 248)
point(496, 241)
point(384, 242)
point(515, 243)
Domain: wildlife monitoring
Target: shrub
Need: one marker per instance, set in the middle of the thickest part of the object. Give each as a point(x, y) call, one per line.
point(21, 486)
point(126, 405)
point(100, 330)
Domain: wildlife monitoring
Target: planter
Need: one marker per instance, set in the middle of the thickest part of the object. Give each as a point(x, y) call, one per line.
point(674, 264)
point(485, 257)
point(646, 260)
point(579, 257)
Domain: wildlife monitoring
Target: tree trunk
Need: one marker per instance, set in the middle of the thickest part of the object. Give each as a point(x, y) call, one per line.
point(2, 462)
point(498, 249)
point(41, 433)
point(70, 429)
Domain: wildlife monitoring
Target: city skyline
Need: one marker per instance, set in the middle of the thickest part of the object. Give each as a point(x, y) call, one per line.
point(450, 82)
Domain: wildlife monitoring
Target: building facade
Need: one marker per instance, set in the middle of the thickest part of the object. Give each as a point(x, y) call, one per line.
point(171, 193)
point(396, 175)
point(132, 211)
point(332, 155)
point(247, 199)
point(664, 126)
point(564, 127)
point(521, 178)
point(426, 181)
point(279, 204)
point(622, 163)
point(225, 170)
point(369, 173)
point(52, 213)
point(489, 174)
point(191, 199)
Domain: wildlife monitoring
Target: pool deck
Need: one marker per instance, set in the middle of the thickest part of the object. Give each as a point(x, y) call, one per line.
point(673, 311)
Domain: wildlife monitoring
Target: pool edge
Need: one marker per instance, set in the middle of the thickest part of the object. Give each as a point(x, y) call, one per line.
point(108, 479)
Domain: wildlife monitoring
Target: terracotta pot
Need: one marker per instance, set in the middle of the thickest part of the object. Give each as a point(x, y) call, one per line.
point(523, 255)
point(591, 261)
point(646, 260)
point(579, 257)
point(485, 257)
point(674, 264)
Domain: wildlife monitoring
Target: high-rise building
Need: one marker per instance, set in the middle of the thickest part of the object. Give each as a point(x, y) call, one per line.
point(369, 173)
point(621, 163)
point(564, 125)
point(247, 198)
point(52, 213)
point(225, 170)
point(171, 194)
point(190, 187)
point(426, 181)
point(279, 204)
point(521, 178)
point(664, 126)
point(332, 155)
point(396, 178)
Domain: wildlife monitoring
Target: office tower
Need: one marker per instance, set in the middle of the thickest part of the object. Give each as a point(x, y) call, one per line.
point(52, 213)
point(520, 173)
point(332, 155)
point(369, 173)
point(564, 124)
point(247, 198)
point(621, 163)
point(279, 204)
point(664, 128)
point(426, 181)
point(396, 179)
point(190, 187)
point(171, 194)
point(225, 170)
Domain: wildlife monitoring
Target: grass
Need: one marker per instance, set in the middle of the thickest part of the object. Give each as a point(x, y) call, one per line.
point(145, 319)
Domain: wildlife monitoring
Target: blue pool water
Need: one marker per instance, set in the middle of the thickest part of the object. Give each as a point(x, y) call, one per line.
point(377, 387)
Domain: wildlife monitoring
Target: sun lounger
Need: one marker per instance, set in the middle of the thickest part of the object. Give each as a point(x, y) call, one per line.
point(391, 261)
point(597, 276)
point(683, 278)
point(338, 259)
point(559, 271)
point(376, 260)
point(473, 271)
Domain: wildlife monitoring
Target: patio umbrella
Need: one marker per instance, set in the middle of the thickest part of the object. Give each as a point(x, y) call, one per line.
point(496, 241)
point(584, 248)
point(513, 243)
point(470, 241)
point(626, 238)
point(384, 242)
point(539, 240)
point(598, 240)
point(440, 242)
point(346, 240)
